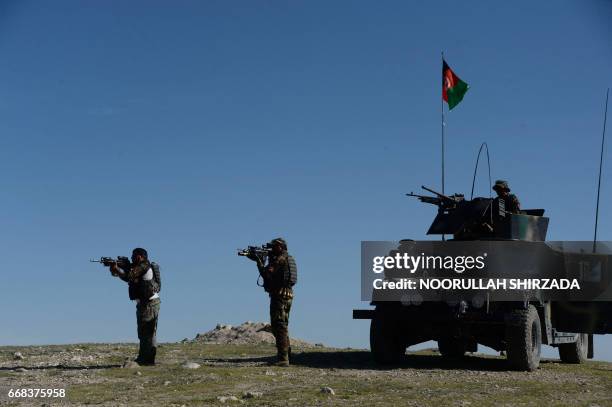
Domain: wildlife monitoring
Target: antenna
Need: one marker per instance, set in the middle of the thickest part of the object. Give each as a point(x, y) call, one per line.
point(476, 169)
point(474, 178)
point(603, 138)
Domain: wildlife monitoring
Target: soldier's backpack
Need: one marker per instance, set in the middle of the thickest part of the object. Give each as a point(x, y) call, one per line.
point(292, 272)
point(156, 276)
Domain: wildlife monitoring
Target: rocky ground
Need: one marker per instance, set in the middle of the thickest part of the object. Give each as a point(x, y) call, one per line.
point(248, 333)
point(198, 372)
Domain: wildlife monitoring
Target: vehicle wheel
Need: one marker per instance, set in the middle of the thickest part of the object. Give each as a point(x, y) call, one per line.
point(451, 348)
point(524, 339)
point(575, 352)
point(386, 343)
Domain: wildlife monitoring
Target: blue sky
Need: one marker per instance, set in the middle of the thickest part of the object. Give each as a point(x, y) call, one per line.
point(194, 128)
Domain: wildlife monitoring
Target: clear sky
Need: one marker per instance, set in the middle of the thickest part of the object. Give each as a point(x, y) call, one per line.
point(194, 128)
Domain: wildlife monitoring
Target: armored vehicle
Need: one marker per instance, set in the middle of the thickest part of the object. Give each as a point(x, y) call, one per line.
point(518, 328)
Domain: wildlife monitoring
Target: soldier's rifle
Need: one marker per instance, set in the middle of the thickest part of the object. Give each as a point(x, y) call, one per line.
point(121, 261)
point(261, 252)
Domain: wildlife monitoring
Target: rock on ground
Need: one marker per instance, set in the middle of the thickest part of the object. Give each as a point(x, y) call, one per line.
point(224, 399)
point(130, 364)
point(252, 394)
point(190, 365)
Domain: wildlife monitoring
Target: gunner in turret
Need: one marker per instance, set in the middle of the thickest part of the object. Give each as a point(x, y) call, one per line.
point(505, 201)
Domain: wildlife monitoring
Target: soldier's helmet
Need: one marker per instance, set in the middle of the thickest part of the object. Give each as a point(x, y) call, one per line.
point(501, 185)
point(280, 241)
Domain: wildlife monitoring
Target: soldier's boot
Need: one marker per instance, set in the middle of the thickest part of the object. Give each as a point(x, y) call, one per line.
point(283, 352)
point(283, 359)
point(140, 359)
point(150, 360)
point(146, 355)
point(278, 341)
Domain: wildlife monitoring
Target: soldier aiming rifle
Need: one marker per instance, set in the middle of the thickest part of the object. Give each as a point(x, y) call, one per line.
point(279, 275)
point(144, 284)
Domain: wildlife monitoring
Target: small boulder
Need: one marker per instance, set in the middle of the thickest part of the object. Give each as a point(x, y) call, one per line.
point(130, 364)
point(190, 365)
point(252, 394)
point(225, 399)
point(17, 356)
point(328, 390)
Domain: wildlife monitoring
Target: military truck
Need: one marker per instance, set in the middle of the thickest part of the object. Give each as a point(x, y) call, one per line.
point(518, 328)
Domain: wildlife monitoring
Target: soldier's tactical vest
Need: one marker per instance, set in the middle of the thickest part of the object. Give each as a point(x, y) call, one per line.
point(134, 290)
point(156, 276)
point(285, 279)
point(144, 289)
point(291, 273)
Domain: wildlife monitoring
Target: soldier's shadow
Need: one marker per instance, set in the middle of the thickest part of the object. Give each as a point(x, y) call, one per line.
point(60, 367)
point(363, 360)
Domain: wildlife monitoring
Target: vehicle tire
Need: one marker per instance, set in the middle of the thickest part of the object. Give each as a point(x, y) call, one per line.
point(576, 352)
point(386, 343)
point(451, 348)
point(524, 339)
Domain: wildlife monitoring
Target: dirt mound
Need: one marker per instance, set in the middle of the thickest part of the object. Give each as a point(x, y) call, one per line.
point(248, 333)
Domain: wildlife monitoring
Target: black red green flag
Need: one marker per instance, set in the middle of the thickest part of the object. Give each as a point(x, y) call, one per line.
point(453, 88)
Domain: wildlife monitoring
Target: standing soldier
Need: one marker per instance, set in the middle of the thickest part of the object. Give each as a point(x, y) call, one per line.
point(144, 283)
point(279, 276)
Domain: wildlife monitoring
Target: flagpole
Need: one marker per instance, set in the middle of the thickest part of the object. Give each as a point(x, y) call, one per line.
point(442, 111)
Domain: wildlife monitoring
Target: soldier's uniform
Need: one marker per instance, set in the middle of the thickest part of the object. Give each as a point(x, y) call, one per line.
point(511, 203)
point(143, 289)
point(281, 298)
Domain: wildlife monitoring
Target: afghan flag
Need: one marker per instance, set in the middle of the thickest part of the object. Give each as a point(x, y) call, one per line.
point(453, 88)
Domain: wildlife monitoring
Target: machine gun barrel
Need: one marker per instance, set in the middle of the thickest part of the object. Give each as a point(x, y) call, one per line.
point(427, 199)
point(442, 196)
point(439, 199)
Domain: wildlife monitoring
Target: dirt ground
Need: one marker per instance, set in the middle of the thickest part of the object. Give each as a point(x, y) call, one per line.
point(92, 374)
